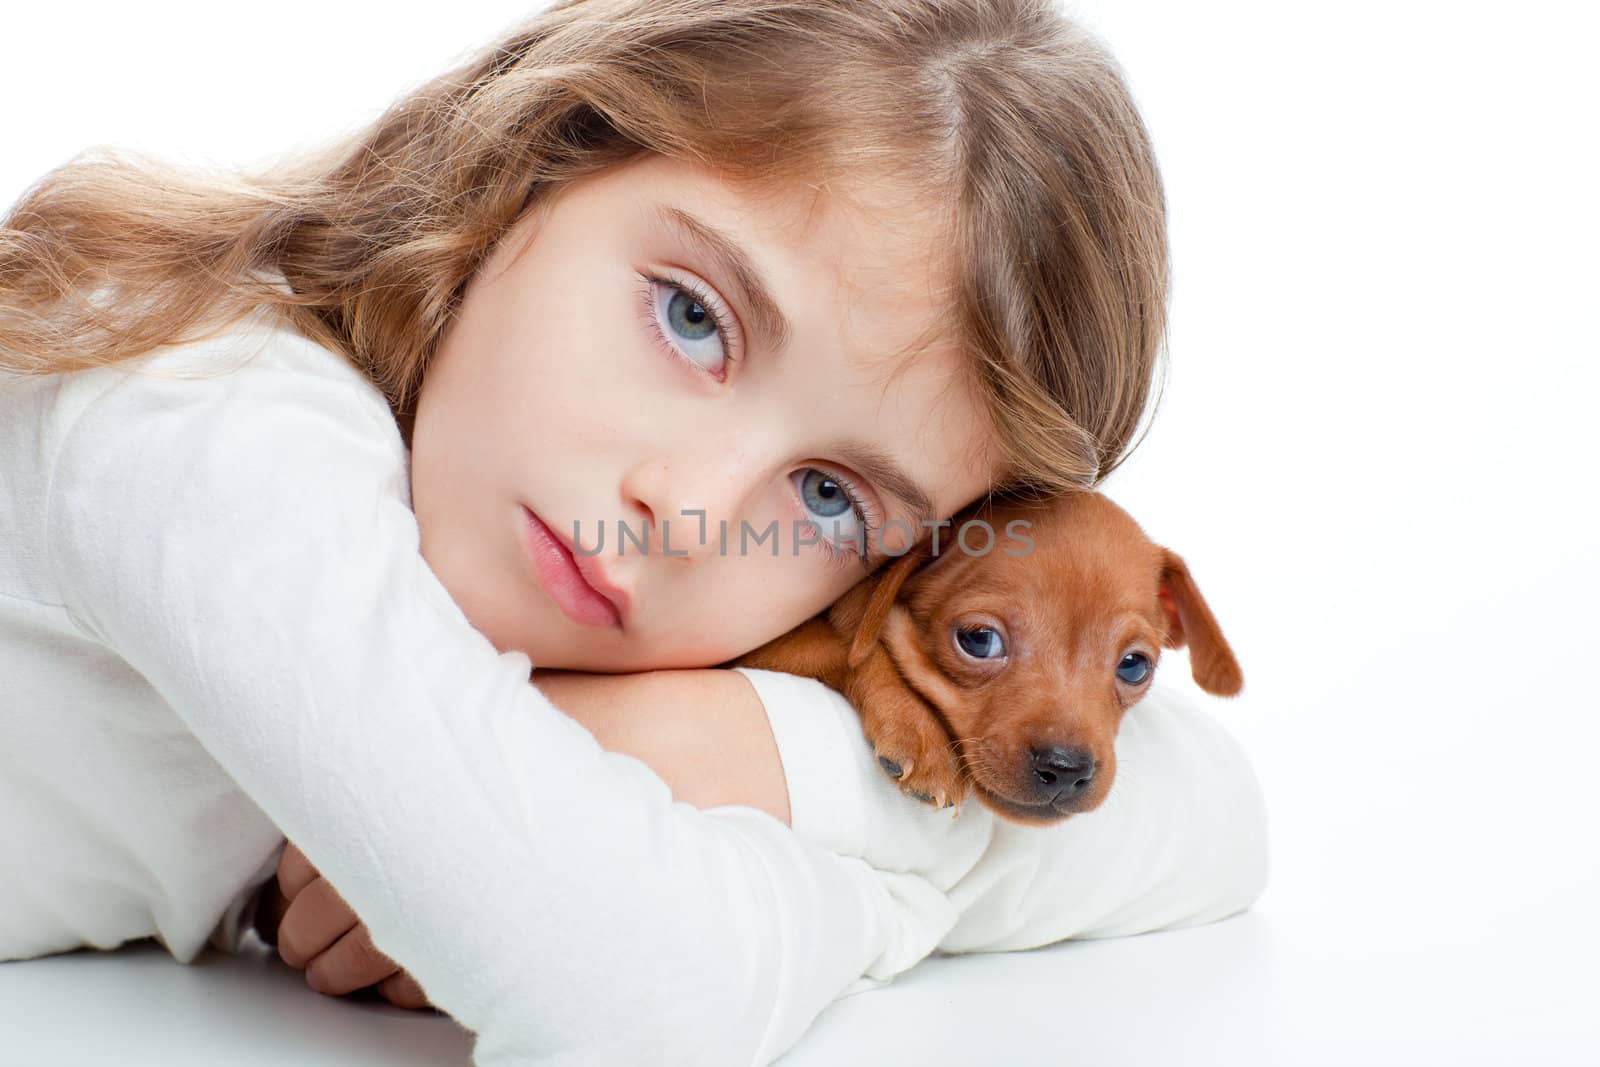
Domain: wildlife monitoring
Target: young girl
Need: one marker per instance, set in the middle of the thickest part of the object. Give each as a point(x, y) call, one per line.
point(295, 467)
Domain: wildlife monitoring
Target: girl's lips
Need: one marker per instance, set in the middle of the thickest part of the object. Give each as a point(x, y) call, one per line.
point(571, 580)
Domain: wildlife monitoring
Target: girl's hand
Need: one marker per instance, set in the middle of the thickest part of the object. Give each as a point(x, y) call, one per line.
point(316, 932)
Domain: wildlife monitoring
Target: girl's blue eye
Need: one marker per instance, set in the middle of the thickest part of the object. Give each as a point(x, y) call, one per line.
point(689, 323)
point(981, 642)
point(835, 509)
point(1134, 668)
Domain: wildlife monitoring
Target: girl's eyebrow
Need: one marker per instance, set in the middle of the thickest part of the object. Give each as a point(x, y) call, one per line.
point(767, 318)
point(882, 469)
point(769, 323)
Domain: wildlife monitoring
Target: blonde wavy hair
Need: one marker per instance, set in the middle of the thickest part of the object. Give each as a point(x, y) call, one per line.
point(1008, 114)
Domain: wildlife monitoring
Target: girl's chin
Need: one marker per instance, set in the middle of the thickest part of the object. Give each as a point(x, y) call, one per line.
point(555, 642)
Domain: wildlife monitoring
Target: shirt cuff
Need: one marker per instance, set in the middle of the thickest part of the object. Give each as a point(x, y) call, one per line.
point(820, 742)
point(240, 915)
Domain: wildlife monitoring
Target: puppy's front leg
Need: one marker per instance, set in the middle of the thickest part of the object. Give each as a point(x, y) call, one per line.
point(812, 649)
point(911, 743)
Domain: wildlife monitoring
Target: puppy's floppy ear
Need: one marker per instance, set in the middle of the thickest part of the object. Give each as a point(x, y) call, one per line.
point(884, 588)
point(1189, 619)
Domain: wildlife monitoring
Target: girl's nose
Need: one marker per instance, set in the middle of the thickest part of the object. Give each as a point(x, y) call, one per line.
point(683, 513)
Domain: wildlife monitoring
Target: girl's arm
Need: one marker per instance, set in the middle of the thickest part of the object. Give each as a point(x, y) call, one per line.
point(244, 541)
point(704, 732)
point(1181, 840)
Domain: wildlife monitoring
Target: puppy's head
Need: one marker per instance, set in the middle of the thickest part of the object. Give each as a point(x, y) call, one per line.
point(1032, 650)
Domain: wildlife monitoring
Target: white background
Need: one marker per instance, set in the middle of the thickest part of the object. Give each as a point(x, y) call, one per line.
point(1375, 451)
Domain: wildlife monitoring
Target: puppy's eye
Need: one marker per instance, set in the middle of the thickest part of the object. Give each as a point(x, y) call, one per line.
point(981, 642)
point(1134, 668)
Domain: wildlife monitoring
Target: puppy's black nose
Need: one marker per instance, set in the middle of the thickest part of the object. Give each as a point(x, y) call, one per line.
point(1061, 773)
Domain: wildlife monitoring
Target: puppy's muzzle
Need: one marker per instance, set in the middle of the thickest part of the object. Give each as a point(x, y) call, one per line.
point(1056, 775)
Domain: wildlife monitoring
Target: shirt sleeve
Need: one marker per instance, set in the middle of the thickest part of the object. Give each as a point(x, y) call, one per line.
point(840, 798)
point(245, 541)
point(240, 915)
point(1181, 840)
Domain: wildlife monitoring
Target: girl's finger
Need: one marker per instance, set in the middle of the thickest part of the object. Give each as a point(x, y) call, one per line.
point(316, 919)
point(294, 871)
point(352, 963)
point(402, 990)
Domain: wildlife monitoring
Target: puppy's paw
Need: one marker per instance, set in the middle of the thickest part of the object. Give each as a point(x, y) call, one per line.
point(907, 735)
point(914, 750)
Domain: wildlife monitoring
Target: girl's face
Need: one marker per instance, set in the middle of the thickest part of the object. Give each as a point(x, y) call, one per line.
point(607, 365)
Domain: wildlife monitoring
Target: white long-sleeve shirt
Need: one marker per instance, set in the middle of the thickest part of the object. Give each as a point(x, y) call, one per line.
point(216, 630)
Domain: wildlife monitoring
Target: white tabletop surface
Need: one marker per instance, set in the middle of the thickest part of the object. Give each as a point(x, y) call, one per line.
point(1238, 992)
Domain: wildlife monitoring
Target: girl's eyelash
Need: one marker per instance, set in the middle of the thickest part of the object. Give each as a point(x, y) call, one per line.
point(726, 325)
point(868, 518)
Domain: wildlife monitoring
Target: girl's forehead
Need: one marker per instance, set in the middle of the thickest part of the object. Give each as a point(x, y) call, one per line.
point(875, 233)
point(884, 254)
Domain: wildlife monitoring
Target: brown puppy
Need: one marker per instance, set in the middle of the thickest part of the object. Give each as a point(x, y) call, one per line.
point(1007, 670)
